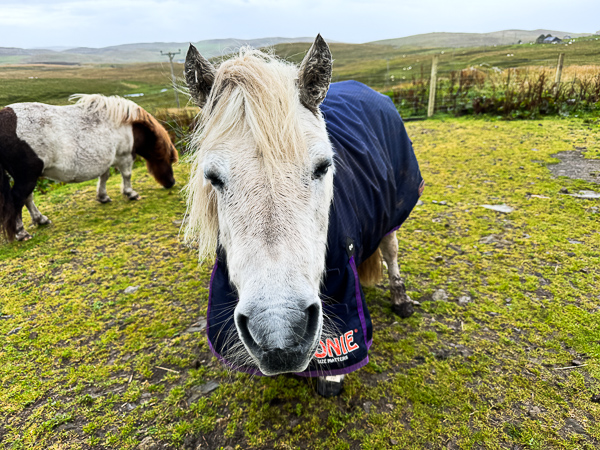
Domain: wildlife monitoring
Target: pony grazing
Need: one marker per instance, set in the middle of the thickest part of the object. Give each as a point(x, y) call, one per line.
point(72, 144)
point(295, 184)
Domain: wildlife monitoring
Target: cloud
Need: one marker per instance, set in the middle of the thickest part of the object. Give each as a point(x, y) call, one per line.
point(100, 23)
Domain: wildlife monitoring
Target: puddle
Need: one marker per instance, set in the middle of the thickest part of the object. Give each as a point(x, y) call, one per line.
point(573, 165)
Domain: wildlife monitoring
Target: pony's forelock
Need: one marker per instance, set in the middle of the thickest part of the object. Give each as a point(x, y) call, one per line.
point(254, 93)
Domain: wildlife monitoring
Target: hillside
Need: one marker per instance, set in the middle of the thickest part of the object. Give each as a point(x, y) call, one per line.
point(133, 53)
point(452, 40)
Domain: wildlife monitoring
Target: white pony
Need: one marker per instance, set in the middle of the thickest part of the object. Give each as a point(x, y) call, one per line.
point(72, 144)
point(261, 193)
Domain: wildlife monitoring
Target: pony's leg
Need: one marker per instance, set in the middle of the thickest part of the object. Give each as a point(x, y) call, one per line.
point(22, 189)
point(36, 216)
point(22, 234)
point(125, 166)
point(101, 194)
point(401, 302)
point(330, 386)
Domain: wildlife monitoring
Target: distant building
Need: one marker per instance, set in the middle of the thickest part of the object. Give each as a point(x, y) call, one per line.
point(552, 40)
point(567, 37)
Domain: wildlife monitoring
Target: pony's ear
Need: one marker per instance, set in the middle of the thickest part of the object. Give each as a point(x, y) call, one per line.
point(315, 74)
point(199, 75)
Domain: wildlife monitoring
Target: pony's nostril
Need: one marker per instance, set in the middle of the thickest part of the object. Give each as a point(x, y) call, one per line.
point(244, 330)
point(312, 317)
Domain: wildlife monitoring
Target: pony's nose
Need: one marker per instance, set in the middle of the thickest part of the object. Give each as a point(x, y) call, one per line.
point(280, 345)
point(170, 183)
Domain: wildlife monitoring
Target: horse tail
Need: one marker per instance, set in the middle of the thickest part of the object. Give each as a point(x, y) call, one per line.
point(370, 271)
point(8, 212)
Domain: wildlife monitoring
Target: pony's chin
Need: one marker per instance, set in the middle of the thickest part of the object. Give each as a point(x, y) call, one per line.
point(269, 370)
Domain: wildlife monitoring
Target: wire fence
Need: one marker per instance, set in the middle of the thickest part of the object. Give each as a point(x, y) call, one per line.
point(510, 92)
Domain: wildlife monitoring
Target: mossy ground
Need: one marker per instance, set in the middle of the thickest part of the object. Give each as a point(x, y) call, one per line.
point(85, 367)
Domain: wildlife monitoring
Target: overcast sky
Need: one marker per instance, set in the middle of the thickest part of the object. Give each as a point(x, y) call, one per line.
point(100, 23)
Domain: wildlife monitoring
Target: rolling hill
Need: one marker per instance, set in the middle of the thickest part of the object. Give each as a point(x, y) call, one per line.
point(451, 40)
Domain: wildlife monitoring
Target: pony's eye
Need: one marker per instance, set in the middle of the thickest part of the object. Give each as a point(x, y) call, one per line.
point(321, 169)
point(215, 180)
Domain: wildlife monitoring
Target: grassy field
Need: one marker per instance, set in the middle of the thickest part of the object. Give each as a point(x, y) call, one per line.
point(85, 365)
point(54, 84)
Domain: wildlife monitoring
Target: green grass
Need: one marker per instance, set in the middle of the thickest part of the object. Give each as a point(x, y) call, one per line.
point(82, 369)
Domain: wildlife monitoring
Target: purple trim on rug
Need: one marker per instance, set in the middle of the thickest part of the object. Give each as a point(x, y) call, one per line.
point(392, 230)
point(359, 305)
point(327, 373)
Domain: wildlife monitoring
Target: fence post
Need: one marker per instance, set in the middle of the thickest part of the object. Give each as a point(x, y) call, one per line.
point(432, 87)
point(559, 67)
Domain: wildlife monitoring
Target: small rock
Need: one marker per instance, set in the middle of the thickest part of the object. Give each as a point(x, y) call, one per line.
point(577, 362)
point(33, 335)
point(488, 239)
point(393, 442)
point(508, 300)
point(443, 202)
point(440, 296)
point(129, 406)
point(73, 251)
point(197, 327)
point(206, 387)
point(588, 195)
point(148, 444)
point(574, 241)
point(420, 203)
point(563, 191)
point(534, 411)
point(5, 317)
point(367, 406)
point(534, 150)
point(131, 289)
point(14, 331)
point(499, 208)
point(390, 406)
point(464, 300)
point(575, 426)
point(439, 258)
point(177, 222)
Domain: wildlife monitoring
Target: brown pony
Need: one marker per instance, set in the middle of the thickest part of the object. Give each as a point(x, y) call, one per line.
point(72, 144)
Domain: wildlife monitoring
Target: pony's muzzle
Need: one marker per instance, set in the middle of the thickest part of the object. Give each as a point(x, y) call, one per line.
point(278, 344)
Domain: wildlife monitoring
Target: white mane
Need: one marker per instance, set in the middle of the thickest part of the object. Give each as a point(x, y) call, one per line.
point(117, 109)
point(256, 93)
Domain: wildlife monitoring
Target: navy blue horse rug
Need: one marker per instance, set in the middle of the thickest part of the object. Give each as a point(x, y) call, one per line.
point(377, 184)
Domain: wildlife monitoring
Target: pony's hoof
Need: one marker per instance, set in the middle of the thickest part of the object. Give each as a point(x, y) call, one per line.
point(44, 221)
point(104, 199)
point(404, 310)
point(134, 197)
point(330, 386)
point(23, 236)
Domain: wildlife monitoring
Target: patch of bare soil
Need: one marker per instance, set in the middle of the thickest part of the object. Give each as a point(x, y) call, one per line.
point(574, 165)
